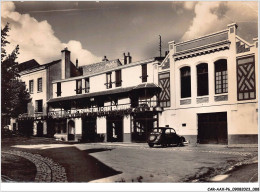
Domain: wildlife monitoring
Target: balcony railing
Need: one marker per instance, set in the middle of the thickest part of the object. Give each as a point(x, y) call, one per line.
point(121, 109)
point(32, 116)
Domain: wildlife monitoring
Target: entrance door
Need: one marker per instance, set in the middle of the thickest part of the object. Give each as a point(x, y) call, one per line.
point(89, 130)
point(39, 129)
point(14, 126)
point(71, 130)
point(212, 128)
point(142, 124)
point(115, 129)
point(25, 127)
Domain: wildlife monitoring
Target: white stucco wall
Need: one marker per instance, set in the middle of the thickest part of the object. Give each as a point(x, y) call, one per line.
point(127, 124)
point(130, 77)
point(101, 125)
point(36, 95)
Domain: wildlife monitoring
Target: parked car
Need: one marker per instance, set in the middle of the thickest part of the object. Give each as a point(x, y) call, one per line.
point(165, 136)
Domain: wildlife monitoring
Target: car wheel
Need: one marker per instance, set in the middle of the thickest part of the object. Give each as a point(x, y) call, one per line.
point(164, 145)
point(182, 140)
point(150, 144)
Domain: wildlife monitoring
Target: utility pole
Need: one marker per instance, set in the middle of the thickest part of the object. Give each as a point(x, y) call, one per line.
point(160, 45)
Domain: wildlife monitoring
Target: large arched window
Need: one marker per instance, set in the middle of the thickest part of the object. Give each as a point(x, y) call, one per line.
point(185, 82)
point(221, 76)
point(202, 79)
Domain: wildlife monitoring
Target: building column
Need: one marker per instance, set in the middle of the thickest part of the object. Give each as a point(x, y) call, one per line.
point(78, 129)
point(45, 128)
point(127, 128)
point(193, 76)
point(34, 128)
point(211, 77)
point(102, 126)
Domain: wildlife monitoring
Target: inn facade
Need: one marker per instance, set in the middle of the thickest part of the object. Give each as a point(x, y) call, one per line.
point(205, 88)
point(112, 101)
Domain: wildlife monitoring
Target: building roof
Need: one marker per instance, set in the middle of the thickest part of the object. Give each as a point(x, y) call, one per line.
point(101, 66)
point(28, 65)
point(37, 67)
point(104, 70)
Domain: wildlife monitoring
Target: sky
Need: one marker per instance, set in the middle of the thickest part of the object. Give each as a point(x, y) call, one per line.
point(91, 30)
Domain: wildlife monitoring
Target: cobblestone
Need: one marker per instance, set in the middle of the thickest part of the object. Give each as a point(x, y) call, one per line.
point(184, 149)
point(47, 169)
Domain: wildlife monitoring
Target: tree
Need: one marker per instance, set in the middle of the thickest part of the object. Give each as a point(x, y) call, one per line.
point(14, 95)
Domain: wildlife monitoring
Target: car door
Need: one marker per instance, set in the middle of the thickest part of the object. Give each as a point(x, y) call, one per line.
point(168, 136)
point(175, 137)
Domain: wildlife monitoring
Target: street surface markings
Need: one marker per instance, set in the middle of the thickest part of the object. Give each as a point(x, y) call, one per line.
point(219, 178)
point(47, 169)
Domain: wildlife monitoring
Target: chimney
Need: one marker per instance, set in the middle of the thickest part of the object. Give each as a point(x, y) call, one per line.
point(129, 58)
point(125, 59)
point(105, 58)
point(65, 63)
point(77, 63)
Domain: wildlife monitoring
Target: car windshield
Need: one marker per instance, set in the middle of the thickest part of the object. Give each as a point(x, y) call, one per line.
point(157, 130)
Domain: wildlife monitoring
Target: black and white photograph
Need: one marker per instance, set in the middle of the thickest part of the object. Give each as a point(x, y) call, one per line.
point(138, 94)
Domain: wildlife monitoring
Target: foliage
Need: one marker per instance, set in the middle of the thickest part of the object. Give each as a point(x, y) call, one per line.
point(14, 95)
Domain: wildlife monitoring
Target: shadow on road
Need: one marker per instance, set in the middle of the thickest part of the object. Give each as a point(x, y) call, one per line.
point(80, 166)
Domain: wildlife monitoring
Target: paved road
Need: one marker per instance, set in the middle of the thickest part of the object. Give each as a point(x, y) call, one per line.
point(244, 173)
point(173, 164)
point(110, 162)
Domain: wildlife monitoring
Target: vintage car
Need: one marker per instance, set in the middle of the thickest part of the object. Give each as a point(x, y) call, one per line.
point(165, 136)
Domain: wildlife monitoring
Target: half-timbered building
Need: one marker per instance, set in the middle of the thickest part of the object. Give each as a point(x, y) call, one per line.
point(214, 88)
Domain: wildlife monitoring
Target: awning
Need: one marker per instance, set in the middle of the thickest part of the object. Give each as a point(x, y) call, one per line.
point(146, 89)
point(119, 92)
point(91, 95)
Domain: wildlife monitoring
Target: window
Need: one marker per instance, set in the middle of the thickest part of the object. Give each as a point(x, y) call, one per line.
point(78, 86)
point(38, 105)
point(87, 85)
point(31, 86)
point(58, 89)
point(109, 80)
point(185, 82)
point(144, 73)
point(165, 95)
point(39, 85)
point(246, 88)
point(202, 79)
point(118, 78)
point(221, 76)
